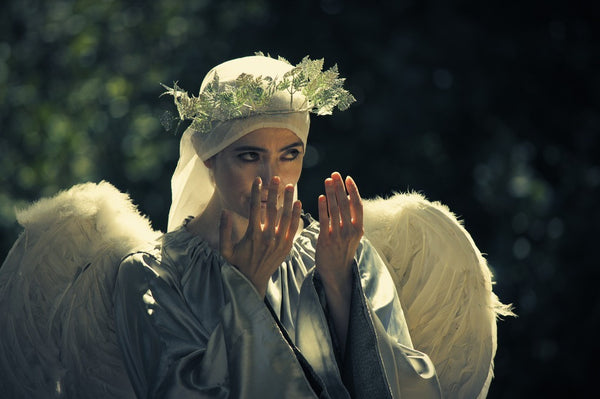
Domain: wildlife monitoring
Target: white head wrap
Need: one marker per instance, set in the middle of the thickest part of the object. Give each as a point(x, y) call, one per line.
point(191, 185)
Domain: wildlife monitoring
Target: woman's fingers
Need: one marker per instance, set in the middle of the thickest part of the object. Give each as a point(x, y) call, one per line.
point(332, 205)
point(356, 207)
point(342, 199)
point(280, 225)
point(344, 203)
point(286, 214)
point(296, 211)
point(254, 222)
point(323, 216)
point(270, 223)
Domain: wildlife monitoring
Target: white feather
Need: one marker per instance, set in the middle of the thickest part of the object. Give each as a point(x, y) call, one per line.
point(58, 336)
point(445, 287)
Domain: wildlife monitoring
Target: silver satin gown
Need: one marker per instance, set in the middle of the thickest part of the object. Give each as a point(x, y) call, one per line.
point(190, 325)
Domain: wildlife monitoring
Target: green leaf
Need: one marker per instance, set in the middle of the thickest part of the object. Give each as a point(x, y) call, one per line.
point(249, 95)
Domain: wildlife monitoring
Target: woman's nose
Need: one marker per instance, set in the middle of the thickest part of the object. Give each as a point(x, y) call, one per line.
point(268, 171)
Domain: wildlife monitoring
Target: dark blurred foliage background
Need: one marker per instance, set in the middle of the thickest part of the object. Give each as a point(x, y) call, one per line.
point(489, 107)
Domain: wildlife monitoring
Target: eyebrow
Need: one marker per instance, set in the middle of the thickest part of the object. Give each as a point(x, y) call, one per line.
point(260, 149)
point(296, 144)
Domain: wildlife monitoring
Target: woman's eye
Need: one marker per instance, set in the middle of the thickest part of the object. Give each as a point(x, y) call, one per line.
point(291, 155)
point(248, 156)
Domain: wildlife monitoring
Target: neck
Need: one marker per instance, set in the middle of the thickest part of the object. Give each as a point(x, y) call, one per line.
point(206, 225)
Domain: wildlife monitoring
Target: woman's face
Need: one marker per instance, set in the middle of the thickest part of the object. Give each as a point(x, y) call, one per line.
point(265, 152)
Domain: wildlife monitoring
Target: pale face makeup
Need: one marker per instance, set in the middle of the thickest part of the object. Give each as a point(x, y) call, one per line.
point(265, 152)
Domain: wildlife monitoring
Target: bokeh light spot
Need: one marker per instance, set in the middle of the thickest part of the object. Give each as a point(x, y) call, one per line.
point(521, 248)
point(555, 228)
point(311, 156)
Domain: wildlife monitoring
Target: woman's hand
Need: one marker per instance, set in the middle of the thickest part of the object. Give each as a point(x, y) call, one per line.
point(264, 246)
point(341, 220)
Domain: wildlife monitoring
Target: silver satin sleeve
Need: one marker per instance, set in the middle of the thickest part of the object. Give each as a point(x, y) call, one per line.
point(190, 325)
point(379, 361)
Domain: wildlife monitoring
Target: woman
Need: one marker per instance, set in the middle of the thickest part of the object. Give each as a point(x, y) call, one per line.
point(245, 296)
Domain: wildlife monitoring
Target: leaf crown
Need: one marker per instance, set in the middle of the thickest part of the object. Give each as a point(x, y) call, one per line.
point(249, 95)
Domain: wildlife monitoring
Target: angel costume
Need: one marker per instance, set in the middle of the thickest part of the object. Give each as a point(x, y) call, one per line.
point(89, 309)
point(206, 330)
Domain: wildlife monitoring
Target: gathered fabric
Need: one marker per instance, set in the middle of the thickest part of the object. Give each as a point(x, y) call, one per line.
point(190, 323)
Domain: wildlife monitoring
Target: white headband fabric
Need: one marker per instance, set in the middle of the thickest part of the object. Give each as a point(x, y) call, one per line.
point(225, 134)
point(191, 185)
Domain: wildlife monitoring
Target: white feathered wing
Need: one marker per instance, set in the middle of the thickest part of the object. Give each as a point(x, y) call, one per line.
point(445, 288)
point(58, 335)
